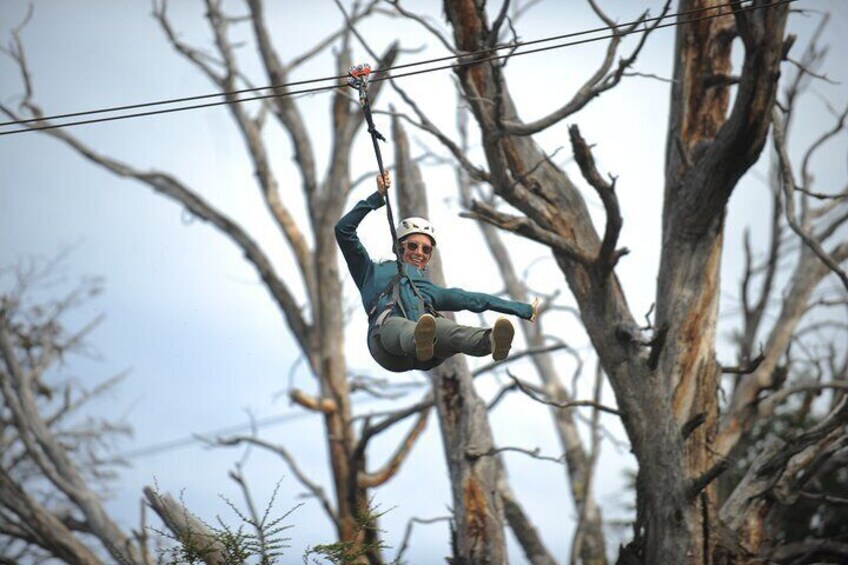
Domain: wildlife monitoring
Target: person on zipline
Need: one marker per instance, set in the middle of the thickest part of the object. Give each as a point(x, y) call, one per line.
point(405, 331)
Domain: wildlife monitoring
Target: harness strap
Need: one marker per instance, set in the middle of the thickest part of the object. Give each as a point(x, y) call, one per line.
point(389, 289)
point(393, 289)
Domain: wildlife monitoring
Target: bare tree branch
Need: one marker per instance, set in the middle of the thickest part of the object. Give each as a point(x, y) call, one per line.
point(519, 355)
point(40, 526)
point(175, 190)
point(355, 17)
point(314, 488)
point(817, 550)
point(61, 459)
point(788, 183)
point(421, 20)
point(534, 453)
point(529, 538)
point(407, 534)
point(569, 404)
point(188, 529)
point(767, 406)
point(325, 405)
point(747, 369)
point(750, 497)
point(526, 227)
point(601, 81)
point(607, 256)
point(392, 466)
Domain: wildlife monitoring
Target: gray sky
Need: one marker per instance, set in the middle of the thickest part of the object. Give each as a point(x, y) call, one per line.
point(185, 314)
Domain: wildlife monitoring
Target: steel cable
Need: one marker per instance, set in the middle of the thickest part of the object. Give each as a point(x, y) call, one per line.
point(471, 58)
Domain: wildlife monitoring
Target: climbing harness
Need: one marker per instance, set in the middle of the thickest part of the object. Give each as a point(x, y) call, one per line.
point(359, 79)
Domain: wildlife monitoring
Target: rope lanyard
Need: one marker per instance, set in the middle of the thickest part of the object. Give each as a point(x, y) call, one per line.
point(359, 77)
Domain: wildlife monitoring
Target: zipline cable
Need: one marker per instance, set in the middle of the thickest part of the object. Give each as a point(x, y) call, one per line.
point(194, 438)
point(194, 98)
point(197, 437)
point(473, 61)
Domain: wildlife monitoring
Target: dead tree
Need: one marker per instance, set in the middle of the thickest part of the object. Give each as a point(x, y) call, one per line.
point(801, 354)
point(592, 548)
point(55, 469)
point(53, 466)
point(578, 469)
point(667, 392)
point(320, 334)
point(667, 384)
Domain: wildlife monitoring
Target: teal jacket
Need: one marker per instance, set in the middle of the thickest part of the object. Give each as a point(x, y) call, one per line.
point(372, 278)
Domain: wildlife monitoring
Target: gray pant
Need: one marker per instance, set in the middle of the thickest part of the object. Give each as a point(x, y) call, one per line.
point(393, 347)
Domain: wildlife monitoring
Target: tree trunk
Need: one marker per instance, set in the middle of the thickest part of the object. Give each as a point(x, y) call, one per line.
point(355, 524)
point(708, 149)
point(332, 377)
point(477, 506)
point(577, 468)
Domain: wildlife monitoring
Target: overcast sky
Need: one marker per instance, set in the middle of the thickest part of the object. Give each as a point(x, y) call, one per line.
point(186, 316)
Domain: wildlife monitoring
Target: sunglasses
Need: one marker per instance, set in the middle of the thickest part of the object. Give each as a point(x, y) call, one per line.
point(425, 249)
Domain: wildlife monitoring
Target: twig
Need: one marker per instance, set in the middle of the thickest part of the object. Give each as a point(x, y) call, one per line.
point(747, 369)
point(408, 533)
point(700, 483)
point(693, 424)
point(516, 356)
point(571, 404)
point(314, 488)
point(788, 183)
point(534, 453)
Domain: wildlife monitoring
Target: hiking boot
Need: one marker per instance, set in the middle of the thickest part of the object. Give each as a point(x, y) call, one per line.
point(425, 337)
point(501, 338)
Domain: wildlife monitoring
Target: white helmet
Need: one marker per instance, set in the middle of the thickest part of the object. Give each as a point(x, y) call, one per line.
point(410, 226)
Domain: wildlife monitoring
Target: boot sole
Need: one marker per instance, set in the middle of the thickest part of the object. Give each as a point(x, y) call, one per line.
point(502, 334)
point(425, 336)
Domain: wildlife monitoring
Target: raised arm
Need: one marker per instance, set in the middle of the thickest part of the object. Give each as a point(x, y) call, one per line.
point(355, 254)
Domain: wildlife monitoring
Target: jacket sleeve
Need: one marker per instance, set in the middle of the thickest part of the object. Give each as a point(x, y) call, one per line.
point(355, 254)
point(455, 299)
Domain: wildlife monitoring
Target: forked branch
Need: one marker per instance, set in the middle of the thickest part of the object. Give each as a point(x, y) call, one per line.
point(607, 256)
point(788, 183)
point(526, 227)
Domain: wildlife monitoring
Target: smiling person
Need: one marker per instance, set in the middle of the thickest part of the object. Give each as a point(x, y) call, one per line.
point(405, 330)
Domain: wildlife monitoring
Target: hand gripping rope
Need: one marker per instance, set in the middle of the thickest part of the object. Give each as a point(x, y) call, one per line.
point(358, 79)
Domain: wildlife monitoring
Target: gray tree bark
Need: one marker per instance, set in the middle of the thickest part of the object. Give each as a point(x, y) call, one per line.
point(463, 419)
point(708, 151)
point(593, 547)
